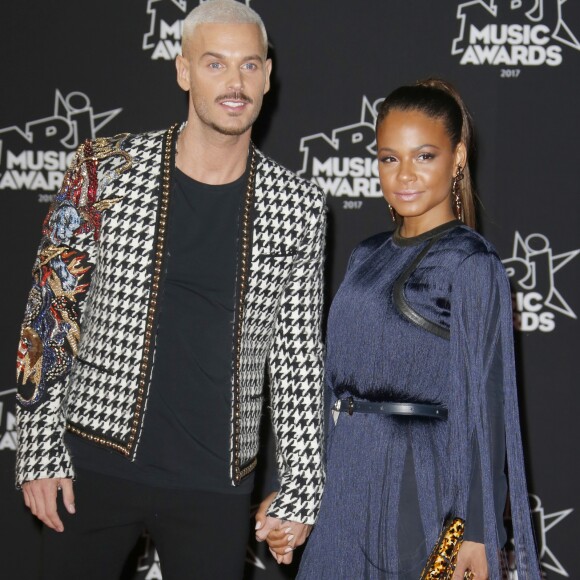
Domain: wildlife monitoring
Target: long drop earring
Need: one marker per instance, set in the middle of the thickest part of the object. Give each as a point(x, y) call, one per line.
point(392, 211)
point(455, 191)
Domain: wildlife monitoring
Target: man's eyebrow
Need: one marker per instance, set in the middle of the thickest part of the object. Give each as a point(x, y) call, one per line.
point(212, 54)
point(254, 57)
point(222, 56)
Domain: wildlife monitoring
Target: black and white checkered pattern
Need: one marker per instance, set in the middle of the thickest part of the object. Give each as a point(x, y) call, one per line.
point(113, 325)
point(280, 329)
point(99, 392)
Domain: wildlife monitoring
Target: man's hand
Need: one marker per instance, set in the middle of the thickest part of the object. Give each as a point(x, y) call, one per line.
point(282, 535)
point(471, 557)
point(40, 498)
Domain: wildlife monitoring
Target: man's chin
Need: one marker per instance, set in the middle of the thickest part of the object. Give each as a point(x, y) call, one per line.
point(232, 130)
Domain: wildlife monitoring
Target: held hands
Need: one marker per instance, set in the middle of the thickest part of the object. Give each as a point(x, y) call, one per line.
point(282, 535)
point(471, 558)
point(40, 498)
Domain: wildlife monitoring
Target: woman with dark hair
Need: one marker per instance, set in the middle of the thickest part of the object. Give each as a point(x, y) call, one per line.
point(421, 367)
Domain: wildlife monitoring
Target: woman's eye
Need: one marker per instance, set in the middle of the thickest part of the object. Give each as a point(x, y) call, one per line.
point(214, 65)
point(426, 156)
point(387, 159)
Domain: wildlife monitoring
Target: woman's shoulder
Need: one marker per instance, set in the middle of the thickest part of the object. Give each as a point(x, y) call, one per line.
point(374, 241)
point(471, 257)
point(368, 246)
point(464, 242)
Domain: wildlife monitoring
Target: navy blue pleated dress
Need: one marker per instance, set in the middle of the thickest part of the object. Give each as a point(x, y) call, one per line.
point(424, 319)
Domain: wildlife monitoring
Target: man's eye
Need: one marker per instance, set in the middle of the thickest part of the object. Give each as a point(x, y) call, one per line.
point(215, 65)
point(387, 159)
point(250, 66)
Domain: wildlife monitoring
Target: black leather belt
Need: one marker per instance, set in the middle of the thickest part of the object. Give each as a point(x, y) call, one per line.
point(432, 411)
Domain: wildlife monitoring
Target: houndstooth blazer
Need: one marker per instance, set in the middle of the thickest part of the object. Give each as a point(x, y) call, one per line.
point(88, 337)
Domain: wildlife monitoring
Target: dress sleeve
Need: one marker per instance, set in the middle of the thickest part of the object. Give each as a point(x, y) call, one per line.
point(474, 526)
point(484, 419)
point(476, 415)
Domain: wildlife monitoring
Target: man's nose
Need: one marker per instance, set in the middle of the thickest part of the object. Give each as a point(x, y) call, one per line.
point(236, 80)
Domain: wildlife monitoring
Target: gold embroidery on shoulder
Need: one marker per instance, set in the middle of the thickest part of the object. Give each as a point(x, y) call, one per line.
point(102, 148)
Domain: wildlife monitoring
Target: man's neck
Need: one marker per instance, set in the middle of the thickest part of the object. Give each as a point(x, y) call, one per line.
point(210, 157)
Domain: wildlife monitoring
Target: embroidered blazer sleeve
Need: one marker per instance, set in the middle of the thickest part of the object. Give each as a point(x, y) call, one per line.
point(296, 378)
point(51, 330)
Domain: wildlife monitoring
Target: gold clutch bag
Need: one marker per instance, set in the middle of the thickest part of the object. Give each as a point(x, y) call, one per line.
point(443, 559)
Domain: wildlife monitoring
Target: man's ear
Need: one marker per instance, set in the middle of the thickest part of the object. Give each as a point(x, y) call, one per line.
point(268, 70)
point(182, 68)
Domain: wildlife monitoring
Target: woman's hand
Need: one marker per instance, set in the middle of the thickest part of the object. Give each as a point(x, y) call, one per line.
point(471, 558)
point(282, 536)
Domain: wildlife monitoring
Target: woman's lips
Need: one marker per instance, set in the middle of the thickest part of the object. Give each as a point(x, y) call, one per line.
point(407, 194)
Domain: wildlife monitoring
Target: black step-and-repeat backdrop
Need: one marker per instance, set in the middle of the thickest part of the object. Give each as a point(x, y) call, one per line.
point(72, 70)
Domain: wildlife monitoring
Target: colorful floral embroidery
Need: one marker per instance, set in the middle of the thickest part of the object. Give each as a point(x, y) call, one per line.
point(51, 333)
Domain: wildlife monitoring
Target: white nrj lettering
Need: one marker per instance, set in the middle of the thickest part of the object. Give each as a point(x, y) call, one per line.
point(154, 572)
point(354, 187)
point(531, 301)
point(31, 180)
point(509, 34)
point(8, 441)
point(345, 167)
point(166, 50)
point(321, 167)
point(10, 421)
point(37, 160)
point(170, 30)
point(328, 184)
point(528, 315)
point(531, 321)
point(526, 55)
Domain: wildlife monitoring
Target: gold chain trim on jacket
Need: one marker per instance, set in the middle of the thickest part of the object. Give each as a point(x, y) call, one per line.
point(145, 366)
point(238, 472)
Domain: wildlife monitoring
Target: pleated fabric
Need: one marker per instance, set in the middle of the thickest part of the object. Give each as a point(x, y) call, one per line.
point(392, 481)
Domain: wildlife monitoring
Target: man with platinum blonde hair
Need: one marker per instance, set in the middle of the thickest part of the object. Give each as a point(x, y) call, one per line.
point(222, 12)
point(192, 249)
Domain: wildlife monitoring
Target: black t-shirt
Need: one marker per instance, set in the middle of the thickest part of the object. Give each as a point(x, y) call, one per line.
point(185, 441)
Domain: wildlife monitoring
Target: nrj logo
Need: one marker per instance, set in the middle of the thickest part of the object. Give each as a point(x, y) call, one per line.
point(532, 270)
point(166, 24)
point(36, 157)
point(345, 164)
point(507, 33)
point(543, 523)
point(165, 27)
point(7, 422)
point(148, 565)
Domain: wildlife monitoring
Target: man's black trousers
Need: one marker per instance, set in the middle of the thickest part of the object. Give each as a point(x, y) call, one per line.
point(198, 535)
